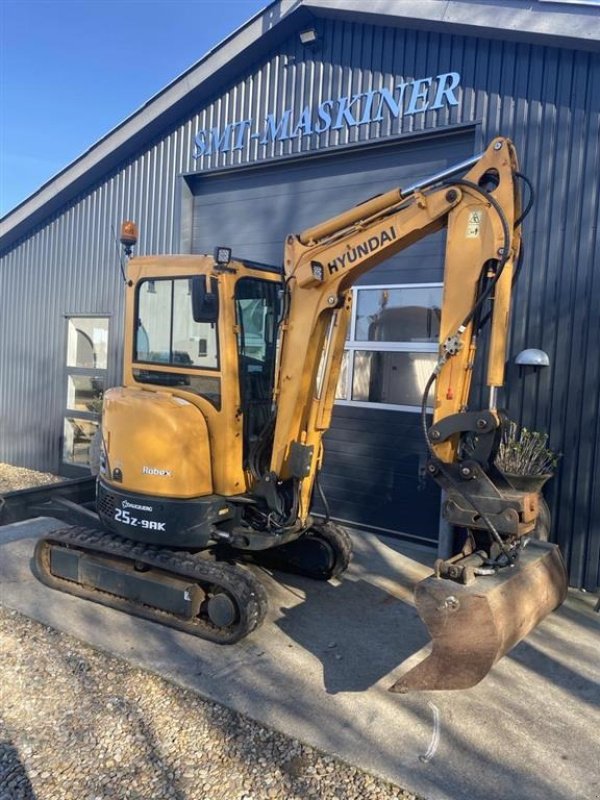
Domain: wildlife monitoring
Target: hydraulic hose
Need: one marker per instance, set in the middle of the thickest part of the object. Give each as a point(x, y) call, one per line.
point(519, 222)
point(473, 313)
point(505, 249)
point(531, 200)
point(518, 266)
point(441, 466)
point(323, 498)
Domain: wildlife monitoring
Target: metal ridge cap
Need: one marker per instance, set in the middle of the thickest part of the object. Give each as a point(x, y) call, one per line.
point(539, 18)
point(216, 58)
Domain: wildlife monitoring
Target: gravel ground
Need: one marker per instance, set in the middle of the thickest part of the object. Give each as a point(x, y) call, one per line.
point(77, 724)
point(13, 478)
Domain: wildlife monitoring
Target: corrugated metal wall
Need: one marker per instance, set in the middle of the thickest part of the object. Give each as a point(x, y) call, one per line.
point(546, 99)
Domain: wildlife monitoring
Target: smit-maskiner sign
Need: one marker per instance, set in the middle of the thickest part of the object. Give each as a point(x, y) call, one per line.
point(407, 98)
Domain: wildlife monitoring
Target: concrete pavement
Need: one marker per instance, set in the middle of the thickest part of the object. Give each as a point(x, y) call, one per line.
point(320, 666)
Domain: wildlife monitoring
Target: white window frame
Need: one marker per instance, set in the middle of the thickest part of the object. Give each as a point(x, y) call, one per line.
point(91, 372)
point(352, 345)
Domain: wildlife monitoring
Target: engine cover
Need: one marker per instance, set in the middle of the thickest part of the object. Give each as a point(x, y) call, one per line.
point(155, 444)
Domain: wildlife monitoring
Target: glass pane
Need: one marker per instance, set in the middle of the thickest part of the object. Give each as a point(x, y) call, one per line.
point(76, 440)
point(257, 309)
point(87, 342)
point(341, 393)
point(253, 315)
point(399, 315)
point(166, 331)
point(84, 393)
point(153, 339)
point(194, 343)
point(257, 305)
point(203, 385)
point(395, 378)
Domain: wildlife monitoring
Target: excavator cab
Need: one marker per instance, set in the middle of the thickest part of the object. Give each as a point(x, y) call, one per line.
point(212, 446)
point(202, 342)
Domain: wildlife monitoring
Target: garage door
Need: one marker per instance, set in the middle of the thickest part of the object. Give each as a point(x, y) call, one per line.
point(375, 458)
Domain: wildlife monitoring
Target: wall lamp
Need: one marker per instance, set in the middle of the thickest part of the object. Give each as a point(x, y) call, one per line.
point(309, 37)
point(531, 360)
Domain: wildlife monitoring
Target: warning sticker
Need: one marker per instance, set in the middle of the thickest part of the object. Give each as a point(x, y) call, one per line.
point(474, 225)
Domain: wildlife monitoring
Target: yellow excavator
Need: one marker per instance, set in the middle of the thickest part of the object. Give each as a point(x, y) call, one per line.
point(211, 448)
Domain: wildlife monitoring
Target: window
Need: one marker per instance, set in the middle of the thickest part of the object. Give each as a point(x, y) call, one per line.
point(392, 346)
point(87, 342)
point(86, 363)
point(401, 314)
point(166, 331)
point(203, 385)
point(166, 334)
point(257, 305)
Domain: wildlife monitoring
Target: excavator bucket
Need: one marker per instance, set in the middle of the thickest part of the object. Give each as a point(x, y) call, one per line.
point(473, 626)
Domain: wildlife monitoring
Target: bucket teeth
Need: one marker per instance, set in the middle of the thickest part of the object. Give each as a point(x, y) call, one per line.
point(473, 626)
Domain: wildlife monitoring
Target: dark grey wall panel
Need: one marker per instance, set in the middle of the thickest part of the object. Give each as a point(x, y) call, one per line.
point(379, 482)
point(253, 211)
point(546, 99)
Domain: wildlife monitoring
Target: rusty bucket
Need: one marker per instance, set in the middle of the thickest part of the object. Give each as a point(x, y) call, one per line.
point(473, 626)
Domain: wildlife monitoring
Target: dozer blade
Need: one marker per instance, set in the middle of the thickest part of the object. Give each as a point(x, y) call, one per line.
point(473, 626)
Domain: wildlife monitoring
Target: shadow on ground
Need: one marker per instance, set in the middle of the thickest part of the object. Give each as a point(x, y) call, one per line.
point(14, 782)
point(361, 641)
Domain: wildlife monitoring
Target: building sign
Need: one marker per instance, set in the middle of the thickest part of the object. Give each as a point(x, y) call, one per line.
point(407, 99)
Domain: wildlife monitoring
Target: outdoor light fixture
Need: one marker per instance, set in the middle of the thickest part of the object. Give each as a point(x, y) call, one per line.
point(222, 256)
point(129, 236)
point(532, 357)
point(531, 360)
point(308, 36)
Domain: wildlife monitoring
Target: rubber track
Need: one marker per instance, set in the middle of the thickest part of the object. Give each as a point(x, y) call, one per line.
point(248, 593)
point(339, 538)
point(285, 558)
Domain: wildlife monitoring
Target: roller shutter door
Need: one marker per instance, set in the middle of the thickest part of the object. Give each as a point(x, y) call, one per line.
point(374, 465)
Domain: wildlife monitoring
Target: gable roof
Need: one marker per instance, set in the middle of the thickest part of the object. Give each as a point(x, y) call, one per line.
point(574, 23)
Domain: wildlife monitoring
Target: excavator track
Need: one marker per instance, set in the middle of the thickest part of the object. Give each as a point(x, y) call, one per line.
point(322, 553)
point(218, 602)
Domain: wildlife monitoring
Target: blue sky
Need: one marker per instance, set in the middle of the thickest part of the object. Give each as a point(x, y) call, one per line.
point(70, 70)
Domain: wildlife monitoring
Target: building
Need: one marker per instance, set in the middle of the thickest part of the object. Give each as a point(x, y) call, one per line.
point(312, 106)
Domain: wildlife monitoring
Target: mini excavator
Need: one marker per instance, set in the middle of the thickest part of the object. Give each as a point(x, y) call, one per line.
point(211, 448)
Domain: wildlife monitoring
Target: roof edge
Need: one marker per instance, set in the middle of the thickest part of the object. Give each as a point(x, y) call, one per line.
point(579, 26)
point(536, 21)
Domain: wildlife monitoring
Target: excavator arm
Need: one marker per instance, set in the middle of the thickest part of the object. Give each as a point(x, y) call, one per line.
point(323, 262)
point(493, 591)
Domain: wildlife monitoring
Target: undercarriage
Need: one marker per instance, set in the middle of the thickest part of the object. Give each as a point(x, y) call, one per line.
point(219, 602)
point(206, 592)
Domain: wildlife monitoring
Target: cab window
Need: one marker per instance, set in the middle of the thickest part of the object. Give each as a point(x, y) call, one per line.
point(165, 329)
point(257, 304)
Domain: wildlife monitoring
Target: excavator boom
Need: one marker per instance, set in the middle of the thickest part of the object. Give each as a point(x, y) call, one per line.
point(325, 261)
